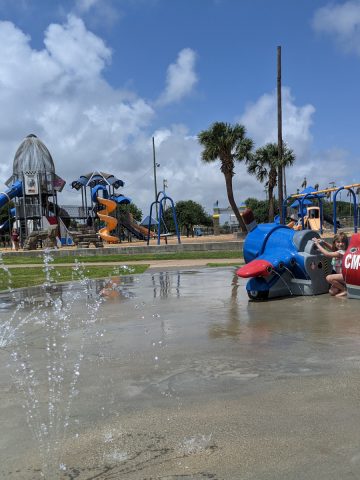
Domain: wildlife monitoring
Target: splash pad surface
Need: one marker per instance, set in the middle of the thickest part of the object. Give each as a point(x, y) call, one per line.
point(175, 375)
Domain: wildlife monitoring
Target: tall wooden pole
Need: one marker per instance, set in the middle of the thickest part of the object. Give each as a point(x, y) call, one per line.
point(280, 143)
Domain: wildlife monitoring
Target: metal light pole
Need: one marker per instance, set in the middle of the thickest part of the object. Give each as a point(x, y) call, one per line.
point(155, 185)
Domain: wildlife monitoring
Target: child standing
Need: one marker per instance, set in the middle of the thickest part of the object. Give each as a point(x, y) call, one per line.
point(335, 252)
point(15, 239)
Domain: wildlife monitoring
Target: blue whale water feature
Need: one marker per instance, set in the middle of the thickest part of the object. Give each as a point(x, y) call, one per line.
point(281, 261)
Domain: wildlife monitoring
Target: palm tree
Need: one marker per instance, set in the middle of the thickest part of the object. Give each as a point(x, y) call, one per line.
point(228, 144)
point(264, 165)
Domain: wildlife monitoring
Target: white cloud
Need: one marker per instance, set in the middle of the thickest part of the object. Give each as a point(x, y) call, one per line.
point(75, 50)
point(179, 156)
point(181, 78)
point(260, 119)
point(330, 165)
point(60, 95)
point(343, 22)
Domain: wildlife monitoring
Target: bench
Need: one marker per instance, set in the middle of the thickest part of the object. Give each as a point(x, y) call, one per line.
point(165, 236)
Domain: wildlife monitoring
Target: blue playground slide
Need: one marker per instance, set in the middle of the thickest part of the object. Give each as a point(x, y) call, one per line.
point(134, 229)
point(14, 191)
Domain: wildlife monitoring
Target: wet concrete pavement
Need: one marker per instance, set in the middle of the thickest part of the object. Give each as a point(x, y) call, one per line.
point(178, 376)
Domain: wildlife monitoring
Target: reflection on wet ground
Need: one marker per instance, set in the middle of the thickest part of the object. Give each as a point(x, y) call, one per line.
point(175, 375)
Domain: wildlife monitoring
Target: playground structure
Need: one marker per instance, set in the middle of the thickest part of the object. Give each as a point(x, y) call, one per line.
point(32, 196)
point(33, 189)
point(306, 220)
point(281, 261)
point(104, 201)
point(311, 220)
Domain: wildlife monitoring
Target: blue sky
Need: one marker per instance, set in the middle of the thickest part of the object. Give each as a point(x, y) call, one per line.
point(96, 79)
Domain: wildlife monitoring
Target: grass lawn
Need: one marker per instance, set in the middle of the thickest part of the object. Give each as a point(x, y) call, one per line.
point(14, 259)
point(27, 277)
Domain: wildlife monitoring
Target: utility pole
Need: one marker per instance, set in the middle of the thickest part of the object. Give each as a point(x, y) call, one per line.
point(280, 142)
point(155, 185)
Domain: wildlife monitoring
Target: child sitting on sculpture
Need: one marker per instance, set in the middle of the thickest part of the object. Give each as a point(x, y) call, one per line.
point(335, 251)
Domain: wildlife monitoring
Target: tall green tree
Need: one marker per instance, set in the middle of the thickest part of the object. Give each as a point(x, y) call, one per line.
point(260, 209)
point(135, 211)
point(188, 214)
point(229, 144)
point(264, 165)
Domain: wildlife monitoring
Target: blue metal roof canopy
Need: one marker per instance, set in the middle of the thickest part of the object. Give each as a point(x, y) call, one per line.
point(308, 198)
point(97, 178)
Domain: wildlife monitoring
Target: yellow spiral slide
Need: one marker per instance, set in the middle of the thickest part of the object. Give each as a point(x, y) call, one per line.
point(110, 221)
